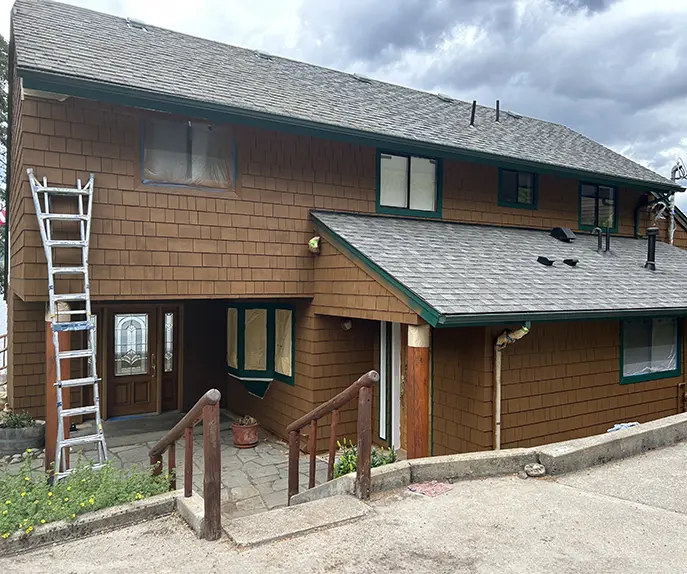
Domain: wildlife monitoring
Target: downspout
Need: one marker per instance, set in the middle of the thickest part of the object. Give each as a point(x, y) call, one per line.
point(500, 344)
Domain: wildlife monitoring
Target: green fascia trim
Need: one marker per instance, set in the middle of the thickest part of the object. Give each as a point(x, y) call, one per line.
point(479, 320)
point(652, 376)
point(535, 192)
point(127, 96)
point(269, 372)
point(436, 214)
point(616, 200)
point(254, 387)
point(415, 302)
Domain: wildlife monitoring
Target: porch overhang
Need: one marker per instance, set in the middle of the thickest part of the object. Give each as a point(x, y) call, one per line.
point(455, 274)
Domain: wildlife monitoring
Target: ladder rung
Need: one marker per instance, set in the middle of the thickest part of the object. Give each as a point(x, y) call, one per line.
point(79, 382)
point(70, 297)
point(64, 216)
point(76, 441)
point(59, 475)
point(63, 190)
point(68, 270)
point(77, 411)
point(65, 243)
point(72, 312)
point(78, 354)
point(73, 326)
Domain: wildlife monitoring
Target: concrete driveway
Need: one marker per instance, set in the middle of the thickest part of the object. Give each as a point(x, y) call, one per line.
point(629, 516)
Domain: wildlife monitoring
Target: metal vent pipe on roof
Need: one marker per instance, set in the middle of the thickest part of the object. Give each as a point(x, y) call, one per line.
point(608, 239)
point(599, 233)
point(472, 114)
point(650, 264)
point(498, 110)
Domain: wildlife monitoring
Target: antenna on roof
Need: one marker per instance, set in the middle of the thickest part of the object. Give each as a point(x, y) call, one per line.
point(361, 78)
point(263, 55)
point(472, 114)
point(498, 109)
point(445, 98)
point(135, 23)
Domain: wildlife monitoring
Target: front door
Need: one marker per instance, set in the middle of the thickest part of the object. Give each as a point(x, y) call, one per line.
point(132, 364)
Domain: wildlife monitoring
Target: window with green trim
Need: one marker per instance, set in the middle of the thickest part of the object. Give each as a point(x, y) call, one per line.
point(408, 184)
point(650, 349)
point(260, 342)
point(598, 206)
point(517, 189)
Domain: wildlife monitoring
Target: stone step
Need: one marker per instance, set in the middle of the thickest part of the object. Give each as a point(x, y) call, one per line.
point(293, 520)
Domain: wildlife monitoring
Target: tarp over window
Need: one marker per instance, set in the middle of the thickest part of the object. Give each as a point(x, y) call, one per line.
point(232, 338)
point(255, 340)
point(649, 346)
point(283, 342)
point(188, 153)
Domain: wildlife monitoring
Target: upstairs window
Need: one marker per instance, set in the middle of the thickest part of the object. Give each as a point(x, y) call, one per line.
point(650, 349)
point(598, 207)
point(187, 153)
point(408, 185)
point(260, 343)
point(517, 189)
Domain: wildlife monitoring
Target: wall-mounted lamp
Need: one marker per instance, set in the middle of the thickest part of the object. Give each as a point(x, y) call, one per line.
point(346, 324)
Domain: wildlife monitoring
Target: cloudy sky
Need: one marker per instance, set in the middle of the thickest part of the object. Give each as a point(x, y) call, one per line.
point(615, 70)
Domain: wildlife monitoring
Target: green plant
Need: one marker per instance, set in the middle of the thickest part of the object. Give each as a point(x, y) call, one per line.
point(28, 500)
point(245, 421)
point(348, 458)
point(12, 420)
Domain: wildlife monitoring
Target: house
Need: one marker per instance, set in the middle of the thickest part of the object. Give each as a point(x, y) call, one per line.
point(429, 222)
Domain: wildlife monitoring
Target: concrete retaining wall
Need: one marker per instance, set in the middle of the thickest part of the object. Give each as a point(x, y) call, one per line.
point(558, 458)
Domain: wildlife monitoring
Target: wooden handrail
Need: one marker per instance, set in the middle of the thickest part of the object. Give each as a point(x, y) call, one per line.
point(207, 410)
point(362, 388)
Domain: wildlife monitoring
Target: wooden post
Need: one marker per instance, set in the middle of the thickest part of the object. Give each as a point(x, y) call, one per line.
point(51, 392)
point(213, 467)
point(332, 444)
point(418, 391)
point(312, 447)
point(363, 480)
point(188, 462)
point(172, 465)
point(294, 453)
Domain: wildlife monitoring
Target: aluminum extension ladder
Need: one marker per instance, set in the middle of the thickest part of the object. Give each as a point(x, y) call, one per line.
point(76, 307)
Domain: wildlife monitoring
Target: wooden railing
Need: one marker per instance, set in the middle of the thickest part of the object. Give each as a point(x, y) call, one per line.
point(207, 410)
point(3, 354)
point(362, 388)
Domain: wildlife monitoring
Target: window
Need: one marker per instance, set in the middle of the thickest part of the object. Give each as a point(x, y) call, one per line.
point(260, 342)
point(185, 153)
point(598, 207)
point(408, 184)
point(517, 189)
point(131, 344)
point(649, 349)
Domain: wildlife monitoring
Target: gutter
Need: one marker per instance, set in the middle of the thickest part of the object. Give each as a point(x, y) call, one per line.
point(141, 98)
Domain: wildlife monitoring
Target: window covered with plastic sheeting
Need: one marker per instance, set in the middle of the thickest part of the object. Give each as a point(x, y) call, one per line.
point(188, 153)
point(650, 349)
point(283, 342)
point(232, 338)
point(255, 340)
point(260, 343)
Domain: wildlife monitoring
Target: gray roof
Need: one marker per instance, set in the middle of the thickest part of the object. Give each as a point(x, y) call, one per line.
point(481, 273)
point(75, 42)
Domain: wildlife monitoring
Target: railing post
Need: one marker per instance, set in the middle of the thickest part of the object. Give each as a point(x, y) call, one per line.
point(363, 480)
point(213, 464)
point(312, 447)
point(332, 444)
point(172, 465)
point(294, 453)
point(188, 462)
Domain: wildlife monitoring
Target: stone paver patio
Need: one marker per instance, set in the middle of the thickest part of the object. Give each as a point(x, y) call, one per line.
point(253, 480)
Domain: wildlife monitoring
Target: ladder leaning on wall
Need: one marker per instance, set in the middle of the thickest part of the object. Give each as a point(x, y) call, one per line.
point(75, 307)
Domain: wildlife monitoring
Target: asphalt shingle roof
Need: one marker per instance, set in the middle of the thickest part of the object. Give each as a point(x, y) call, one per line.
point(477, 270)
point(76, 42)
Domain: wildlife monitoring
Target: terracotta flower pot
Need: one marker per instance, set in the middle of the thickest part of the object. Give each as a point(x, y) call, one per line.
point(245, 436)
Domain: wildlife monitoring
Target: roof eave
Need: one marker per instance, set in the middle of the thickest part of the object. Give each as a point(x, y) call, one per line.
point(38, 79)
point(483, 319)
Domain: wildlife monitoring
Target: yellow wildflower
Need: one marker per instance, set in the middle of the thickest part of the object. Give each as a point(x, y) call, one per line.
point(35, 502)
point(5, 535)
point(73, 515)
point(8, 502)
point(66, 499)
point(69, 488)
point(82, 505)
point(83, 480)
point(42, 520)
point(91, 500)
point(29, 529)
point(27, 478)
point(4, 512)
point(28, 450)
point(49, 493)
point(139, 496)
point(23, 494)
